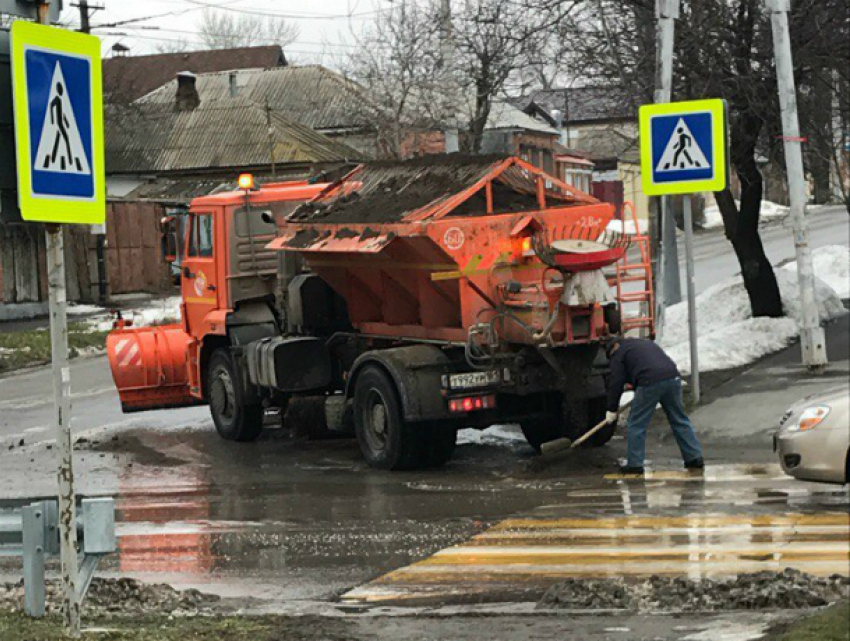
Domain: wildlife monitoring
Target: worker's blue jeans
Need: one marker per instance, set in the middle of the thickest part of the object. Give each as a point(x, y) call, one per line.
point(669, 394)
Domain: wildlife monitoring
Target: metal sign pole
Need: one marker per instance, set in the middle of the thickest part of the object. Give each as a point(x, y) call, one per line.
point(44, 60)
point(62, 405)
point(692, 303)
point(812, 337)
point(57, 302)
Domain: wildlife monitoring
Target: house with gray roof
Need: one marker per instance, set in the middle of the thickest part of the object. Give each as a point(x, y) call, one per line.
point(312, 96)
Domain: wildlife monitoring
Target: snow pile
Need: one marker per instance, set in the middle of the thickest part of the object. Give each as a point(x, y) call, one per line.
point(79, 309)
point(728, 334)
point(832, 266)
point(154, 312)
point(628, 226)
point(769, 210)
point(500, 435)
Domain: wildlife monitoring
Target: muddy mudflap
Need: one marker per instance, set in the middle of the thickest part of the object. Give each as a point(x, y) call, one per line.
point(149, 367)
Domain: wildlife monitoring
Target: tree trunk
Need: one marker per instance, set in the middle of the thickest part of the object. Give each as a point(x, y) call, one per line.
point(741, 224)
point(820, 153)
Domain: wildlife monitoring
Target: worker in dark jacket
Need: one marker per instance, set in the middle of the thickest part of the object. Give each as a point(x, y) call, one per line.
point(655, 378)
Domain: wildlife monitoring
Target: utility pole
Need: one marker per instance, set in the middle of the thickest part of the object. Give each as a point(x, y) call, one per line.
point(812, 337)
point(86, 12)
point(667, 277)
point(99, 231)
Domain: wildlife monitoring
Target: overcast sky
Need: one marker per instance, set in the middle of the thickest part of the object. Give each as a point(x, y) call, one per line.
point(326, 26)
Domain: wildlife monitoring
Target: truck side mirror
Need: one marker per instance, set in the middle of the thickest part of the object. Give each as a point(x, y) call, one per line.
point(169, 238)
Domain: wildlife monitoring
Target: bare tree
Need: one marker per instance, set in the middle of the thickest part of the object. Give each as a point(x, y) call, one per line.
point(724, 49)
point(494, 42)
point(496, 39)
point(228, 30)
point(397, 59)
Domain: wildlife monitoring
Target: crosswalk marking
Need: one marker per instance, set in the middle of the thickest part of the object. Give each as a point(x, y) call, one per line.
point(578, 539)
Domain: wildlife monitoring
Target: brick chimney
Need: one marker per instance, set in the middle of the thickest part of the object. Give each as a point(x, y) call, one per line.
point(187, 98)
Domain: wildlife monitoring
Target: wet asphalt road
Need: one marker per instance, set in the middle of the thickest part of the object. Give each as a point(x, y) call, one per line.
point(296, 524)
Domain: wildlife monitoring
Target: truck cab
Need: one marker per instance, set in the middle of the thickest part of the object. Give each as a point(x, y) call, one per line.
point(230, 290)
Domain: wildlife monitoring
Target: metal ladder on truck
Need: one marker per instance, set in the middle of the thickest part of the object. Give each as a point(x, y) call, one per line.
point(636, 272)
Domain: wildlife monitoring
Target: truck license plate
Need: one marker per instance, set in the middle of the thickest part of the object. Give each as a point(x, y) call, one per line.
point(474, 379)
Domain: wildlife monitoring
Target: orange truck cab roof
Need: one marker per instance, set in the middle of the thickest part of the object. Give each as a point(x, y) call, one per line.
point(266, 193)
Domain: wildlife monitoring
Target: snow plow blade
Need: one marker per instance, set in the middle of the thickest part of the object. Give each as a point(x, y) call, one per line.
point(149, 367)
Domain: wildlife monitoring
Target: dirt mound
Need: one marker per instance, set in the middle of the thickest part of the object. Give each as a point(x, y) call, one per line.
point(789, 589)
point(118, 597)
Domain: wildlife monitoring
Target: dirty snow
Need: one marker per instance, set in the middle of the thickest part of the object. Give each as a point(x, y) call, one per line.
point(79, 309)
point(832, 266)
point(728, 334)
point(153, 312)
point(503, 435)
point(769, 210)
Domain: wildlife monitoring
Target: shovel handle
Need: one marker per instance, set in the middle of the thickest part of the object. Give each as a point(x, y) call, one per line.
point(560, 444)
point(596, 428)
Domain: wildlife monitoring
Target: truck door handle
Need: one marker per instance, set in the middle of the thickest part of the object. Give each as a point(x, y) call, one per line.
point(187, 273)
point(211, 288)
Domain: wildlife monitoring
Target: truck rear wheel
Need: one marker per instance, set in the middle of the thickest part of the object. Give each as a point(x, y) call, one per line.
point(542, 430)
point(441, 444)
point(233, 418)
point(386, 440)
point(550, 424)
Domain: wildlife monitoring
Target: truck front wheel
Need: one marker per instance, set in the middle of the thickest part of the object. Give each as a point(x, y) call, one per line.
point(234, 419)
point(386, 440)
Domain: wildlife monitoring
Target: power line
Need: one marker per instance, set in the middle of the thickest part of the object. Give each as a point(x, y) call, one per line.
point(273, 14)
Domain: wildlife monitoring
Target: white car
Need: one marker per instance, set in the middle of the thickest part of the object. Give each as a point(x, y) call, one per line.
point(813, 441)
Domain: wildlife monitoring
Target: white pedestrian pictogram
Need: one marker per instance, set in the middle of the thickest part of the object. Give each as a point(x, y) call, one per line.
point(60, 148)
point(682, 151)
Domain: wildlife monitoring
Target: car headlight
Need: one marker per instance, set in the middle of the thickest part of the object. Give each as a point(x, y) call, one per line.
point(811, 417)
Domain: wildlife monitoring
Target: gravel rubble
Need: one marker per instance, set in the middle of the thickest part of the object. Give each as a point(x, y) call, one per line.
point(789, 589)
point(119, 597)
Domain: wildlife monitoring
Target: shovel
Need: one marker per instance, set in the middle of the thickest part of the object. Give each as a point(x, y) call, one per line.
point(560, 444)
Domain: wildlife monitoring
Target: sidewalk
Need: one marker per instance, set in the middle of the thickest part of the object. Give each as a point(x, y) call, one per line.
point(749, 404)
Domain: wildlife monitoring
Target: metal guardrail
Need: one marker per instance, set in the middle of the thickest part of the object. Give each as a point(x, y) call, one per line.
point(32, 532)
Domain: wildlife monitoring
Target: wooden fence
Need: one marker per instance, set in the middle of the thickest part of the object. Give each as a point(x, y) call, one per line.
point(133, 259)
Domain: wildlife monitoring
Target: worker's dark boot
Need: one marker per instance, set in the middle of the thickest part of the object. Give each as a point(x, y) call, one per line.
point(696, 464)
point(627, 469)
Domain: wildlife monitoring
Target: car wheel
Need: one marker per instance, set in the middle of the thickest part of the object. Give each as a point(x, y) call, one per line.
point(234, 419)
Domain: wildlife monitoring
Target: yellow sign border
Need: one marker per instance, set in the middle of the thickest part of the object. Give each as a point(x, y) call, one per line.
point(57, 209)
point(717, 108)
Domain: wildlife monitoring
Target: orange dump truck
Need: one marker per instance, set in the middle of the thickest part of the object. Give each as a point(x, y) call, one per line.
point(415, 297)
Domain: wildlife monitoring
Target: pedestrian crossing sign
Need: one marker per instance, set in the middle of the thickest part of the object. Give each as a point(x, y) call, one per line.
point(58, 97)
point(683, 147)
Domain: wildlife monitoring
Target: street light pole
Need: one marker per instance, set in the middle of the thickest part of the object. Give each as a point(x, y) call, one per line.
point(812, 337)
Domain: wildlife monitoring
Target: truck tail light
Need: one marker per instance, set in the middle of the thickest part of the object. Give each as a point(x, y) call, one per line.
point(472, 403)
point(521, 246)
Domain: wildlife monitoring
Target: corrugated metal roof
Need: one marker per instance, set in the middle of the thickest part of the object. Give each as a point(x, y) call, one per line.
point(127, 78)
point(580, 104)
point(227, 133)
point(312, 95)
point(504, 115)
